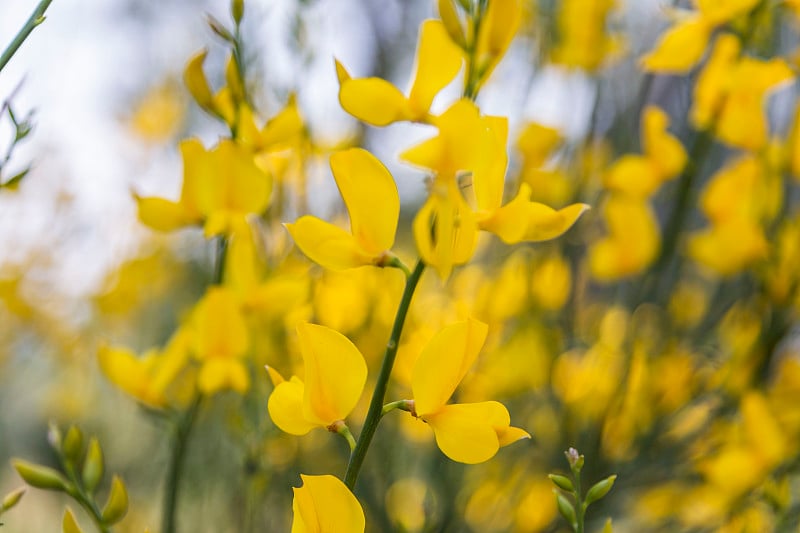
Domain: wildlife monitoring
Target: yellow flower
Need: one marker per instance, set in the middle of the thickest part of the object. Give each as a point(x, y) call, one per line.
point(371, 198)
point(730, 92)
point(335, 374)
point(146, 378)
point(221, 187)
point(682, 46)
point(467, 433)
point(663, 159)
point(378, 102)
point(583, 39)
point(220, 340)
point(632, 243)
point(325, 505)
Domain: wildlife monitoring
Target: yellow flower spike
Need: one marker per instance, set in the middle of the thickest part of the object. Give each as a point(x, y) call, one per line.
point(680, 48)
point(335, 374)
point(378, 102)
point(325, 505)
point(220, 341)
point(467, 433)
point(371, 198)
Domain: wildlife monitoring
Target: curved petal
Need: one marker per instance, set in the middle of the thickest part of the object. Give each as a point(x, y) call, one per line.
point(128, 372)
point(488, 180)
point(507, 222)
point(444, 362)
point(663, 149)
point(679, 48)
point(466, 432)
point(634, 175)
point(544, 223)
point(328, 245)
point(713, 81)
point(285, 406)
point(721, 11)
point(335, 374)
point(164, 215)
point(373, 100)
point(438, 62)
point(325, 505)
point(370, 194)
point(220, 374)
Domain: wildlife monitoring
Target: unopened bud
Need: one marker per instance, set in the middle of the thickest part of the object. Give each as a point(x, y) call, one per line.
point(41, 477)
point(117, 505)
point(93, 466)
point(12, 498)
point(600, 489)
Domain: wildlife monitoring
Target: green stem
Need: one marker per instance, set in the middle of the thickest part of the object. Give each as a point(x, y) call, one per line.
point(403, 405)
point(177, 460)
point(376, 403)
point(344, 431)
point(83, 499)
point(580, 509)
point(36, 18)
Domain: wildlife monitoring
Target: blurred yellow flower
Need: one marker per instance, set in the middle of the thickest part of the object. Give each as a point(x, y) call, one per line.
point(335, 374)
point(221, 187)
point(370, 194)
point(220, 340)
point(467, 433)
point(325, 505)
point(160, 113)
point(583, 39)
point(378, 102)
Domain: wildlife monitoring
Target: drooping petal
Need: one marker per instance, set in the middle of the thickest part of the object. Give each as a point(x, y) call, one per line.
point(680, 48)
point(285, 405)
point(501, 23)
point(335, 374)
point(471, 433)
point(444, 362)
point(488, 180)
point(219, 329)
point(325, 505)
point(714, 80)
point(220, 374)
point(374, 100)
point(164, 215)
point(370, 194)
point(128, 372)
point(328, 245)
point(438, 62)
point(544, 223)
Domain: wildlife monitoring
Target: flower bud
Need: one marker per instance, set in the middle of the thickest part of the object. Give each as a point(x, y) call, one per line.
point(600, 489)
point(72, 447)
point(117, 505)
point(562, 482)
point(69, 524)
point(12, 498)
point(93, 466)
point(237, 10)
point(41, 477)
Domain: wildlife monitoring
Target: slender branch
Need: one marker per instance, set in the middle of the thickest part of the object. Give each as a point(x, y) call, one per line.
point(175, 469)
point(376, 403)
point(36, 18)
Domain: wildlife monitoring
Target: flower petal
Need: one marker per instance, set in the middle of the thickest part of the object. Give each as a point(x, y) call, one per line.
point(325, 505)
point(328, 245)
point(373, 100)
point(444, 362)
point(679, 48)
point(370, 194)
point(438, 62)
point(466, 432)
point(285, 405)
point(335, 374)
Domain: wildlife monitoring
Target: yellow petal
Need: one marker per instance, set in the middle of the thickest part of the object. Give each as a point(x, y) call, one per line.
point(284, 127)
point(129, 373)
point(445, 231)
point(196, 82)
point(720, 11)
point(285, 405)
point(325, 505)
point(544, 223)
point(680, 48)
point(220, 374)
point(500, 26)
point(438, 62)
point(328, 245)
point(219, 329)
point(373, 100)
point(335, 374)
point(488, 180)
point(714, 80)
point(666, 151)
point(370, 194)
point(163, 215)
point(634, 175)
point(511, 434)
point(470, 433)
point(444, 362)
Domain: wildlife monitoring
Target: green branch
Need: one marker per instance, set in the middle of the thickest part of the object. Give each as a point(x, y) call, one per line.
point(36, 18)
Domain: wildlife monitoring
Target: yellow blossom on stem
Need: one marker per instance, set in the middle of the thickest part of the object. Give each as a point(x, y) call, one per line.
point(378, 102)
point(467, 433)
point(335, 374)
point(371, 198)
point(584, 41)
point(325, 505)
point(682, 46)
point(149, 377)
point(221, 187)
point(220, 341)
